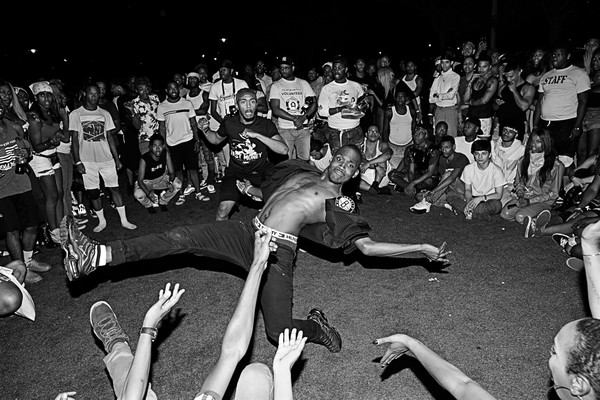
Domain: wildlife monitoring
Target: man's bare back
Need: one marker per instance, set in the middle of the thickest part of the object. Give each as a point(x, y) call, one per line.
point(298, 202)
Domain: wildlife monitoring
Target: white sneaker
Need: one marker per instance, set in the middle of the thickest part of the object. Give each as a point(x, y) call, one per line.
point(201, 197)
point(211, 189)
point(189, 190)
point(180, 200)
point(421, 207)
point(203, 184)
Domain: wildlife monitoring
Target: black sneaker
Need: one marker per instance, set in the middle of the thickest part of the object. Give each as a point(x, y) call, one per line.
point(329, 336)
point(106, 325)
point(82, 254)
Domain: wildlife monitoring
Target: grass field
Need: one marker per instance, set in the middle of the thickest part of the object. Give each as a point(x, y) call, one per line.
point(493, 312)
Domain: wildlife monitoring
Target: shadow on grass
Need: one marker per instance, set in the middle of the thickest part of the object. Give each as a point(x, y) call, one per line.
point(130, 270)
point(411, 363)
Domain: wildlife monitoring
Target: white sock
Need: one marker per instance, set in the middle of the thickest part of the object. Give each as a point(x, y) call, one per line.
point(27, 256)
point(123, 216)
point(101, 221)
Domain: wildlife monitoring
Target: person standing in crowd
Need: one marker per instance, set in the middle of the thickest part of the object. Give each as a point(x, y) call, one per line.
point(294, 103)
point(443, 95)
point(46, 120)
point(480, 94)
point(144, 113)
point(336, 101)
point(177, 124)
point(95, 154)
point(514, 99)
point(402, 125)
point(20, 214)
point(563, 94)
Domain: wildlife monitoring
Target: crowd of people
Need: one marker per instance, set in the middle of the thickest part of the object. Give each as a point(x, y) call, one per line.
point(483, 134)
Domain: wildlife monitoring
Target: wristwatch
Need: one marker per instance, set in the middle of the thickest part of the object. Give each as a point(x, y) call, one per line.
point(149, 331)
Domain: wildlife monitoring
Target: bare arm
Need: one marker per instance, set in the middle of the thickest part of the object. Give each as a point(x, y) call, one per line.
point(447, 375)
point(492, 86)
point(523, 101)
point(537, 114)
point(369, 247)
point(112, 143)
point(275, 143)
point(239, 330)
point(214, 112)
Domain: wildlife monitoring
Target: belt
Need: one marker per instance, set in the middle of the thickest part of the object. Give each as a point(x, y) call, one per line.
point(275, 233)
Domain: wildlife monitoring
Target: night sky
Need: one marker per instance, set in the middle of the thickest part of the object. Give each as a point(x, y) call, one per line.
point(114, 39)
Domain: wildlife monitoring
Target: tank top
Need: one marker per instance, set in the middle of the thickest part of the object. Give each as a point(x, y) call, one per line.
point(412, 84)
point(155, 168)
point(483, 110)
point(400, 128)
point(510, 111)
point(47, 132)
point(377, 151)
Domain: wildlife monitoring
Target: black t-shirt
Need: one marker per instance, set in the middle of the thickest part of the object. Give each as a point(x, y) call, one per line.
point(155, 168)
point(247, 154)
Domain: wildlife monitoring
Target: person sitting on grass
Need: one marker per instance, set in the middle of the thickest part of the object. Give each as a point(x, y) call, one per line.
point(574, 355)
point(420, 159)
point(507, 151)
point(375, 165)
point(450, 168)
point(484, 185)
point(156, 172)
point(537, 183)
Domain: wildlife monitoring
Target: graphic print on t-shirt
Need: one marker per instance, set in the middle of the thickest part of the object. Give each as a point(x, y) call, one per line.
point(244, 151)
point(344, 98)
point(93, 131)
point(7, 155)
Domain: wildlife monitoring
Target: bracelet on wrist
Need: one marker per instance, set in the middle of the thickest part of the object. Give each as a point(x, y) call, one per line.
point(149, 331)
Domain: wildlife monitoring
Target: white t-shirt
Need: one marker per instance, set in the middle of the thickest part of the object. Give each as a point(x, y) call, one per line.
point(483, 182)
point(507, 158)
point(400, 128)
point(462, 146)
point(92, 127)
point(177, 120)
point(337, 95)
point(291, 96)
point(224, 93)
point(560, 88)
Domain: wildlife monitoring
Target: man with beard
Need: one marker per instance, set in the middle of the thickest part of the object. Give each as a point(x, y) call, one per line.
point(250, 138)
point(299, 200)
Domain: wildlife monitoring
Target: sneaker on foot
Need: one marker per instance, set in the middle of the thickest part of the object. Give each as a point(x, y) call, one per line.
point(329, 336)
point(38, 266)
point(81, 221)
point(211, 189)
point(106, 325)
point(562, 240)
point(529, 224)
point(541, 221)
point(82, 254)
point(189, 190)
point(75, 210)
point(421, 207)
point(32, 277)
point(82, 211)
point(201, 197)
point(203, 184)
point(180, 200)
point(575, 263)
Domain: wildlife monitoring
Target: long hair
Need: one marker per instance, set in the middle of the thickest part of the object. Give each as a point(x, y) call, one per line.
point(549, 156)
point(386, 78)
point(50, 116)
point(14, 104)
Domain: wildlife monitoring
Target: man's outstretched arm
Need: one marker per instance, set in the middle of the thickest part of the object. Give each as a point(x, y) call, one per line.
point(447, 375)
point(369, 247)
point(239, 330)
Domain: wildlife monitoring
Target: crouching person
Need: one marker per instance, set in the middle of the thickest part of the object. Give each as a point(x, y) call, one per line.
point(156, 172)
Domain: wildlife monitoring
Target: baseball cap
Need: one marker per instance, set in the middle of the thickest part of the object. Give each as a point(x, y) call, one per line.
point(474, 121)
point(287, 60)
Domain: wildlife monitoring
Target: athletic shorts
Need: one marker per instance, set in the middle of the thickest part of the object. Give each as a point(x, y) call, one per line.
point(93, 171)
point(44, 166)
point(183, 154)
point(19, 211)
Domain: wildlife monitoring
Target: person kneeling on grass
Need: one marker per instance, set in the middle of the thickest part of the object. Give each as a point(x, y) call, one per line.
point(375, 163)
point(156, 172)
point(537, 182)
point(484, 185)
